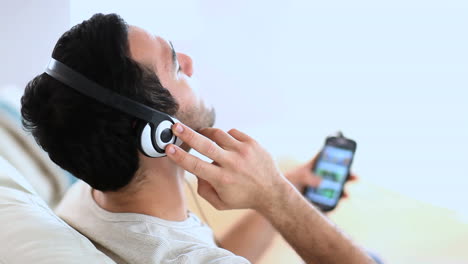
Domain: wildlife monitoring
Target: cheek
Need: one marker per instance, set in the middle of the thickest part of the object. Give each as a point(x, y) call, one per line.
point(194, 85)
point(186, 93)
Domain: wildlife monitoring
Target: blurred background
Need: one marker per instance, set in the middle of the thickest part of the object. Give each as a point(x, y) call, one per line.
point(392, 75)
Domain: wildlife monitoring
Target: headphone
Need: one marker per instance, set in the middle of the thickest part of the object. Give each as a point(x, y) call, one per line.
point(154, 132)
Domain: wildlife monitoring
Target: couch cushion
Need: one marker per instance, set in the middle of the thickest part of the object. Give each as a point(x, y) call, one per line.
point(22, 152)
point(31, 232)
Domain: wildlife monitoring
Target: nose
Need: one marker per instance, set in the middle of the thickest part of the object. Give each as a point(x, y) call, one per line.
point(186, 64)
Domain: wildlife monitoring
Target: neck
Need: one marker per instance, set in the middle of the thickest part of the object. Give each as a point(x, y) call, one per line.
point(156, 190)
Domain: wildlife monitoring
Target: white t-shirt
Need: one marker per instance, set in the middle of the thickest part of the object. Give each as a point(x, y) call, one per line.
point(141, 239)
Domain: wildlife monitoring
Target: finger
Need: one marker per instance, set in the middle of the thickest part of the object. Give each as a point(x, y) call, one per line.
point(208, 193)
point(239, 135)
point(353, 177)
point(313, 181)
point(198, 142)
point(192, 164)
point(345, 195)
point(221, 138)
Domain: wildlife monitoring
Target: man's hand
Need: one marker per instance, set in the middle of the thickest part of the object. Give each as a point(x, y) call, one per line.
point(303, 176)
point(242, 174)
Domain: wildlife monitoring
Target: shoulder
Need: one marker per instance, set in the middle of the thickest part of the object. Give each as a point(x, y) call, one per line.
point(74, 200)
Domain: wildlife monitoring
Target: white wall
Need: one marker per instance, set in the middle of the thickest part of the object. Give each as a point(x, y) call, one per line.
point(29, 30)
point(391, 74)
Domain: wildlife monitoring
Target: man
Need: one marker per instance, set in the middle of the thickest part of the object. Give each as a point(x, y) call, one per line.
point(133, 207)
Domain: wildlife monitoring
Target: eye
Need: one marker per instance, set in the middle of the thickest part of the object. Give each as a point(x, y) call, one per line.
point(179, 69)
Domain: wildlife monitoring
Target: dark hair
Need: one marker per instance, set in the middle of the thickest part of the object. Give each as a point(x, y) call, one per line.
point(94, 142)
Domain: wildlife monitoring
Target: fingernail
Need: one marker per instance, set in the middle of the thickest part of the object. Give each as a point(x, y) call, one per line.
point(170, 150)
point(179, 128)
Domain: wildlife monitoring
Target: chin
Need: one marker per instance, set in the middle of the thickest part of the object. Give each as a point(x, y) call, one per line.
point(212, 117)
point(197, 119)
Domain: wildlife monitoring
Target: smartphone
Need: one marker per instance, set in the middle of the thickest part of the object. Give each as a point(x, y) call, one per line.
point(333, 167)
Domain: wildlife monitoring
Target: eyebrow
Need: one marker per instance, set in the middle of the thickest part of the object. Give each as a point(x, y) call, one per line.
point(174, 55)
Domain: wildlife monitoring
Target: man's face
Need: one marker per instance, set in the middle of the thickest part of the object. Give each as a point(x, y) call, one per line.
point(174, 71)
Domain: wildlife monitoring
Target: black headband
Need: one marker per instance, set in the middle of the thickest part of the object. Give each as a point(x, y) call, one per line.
point(79, 82)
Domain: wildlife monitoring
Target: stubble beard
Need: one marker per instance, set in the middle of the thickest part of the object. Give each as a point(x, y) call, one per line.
point(197, 117)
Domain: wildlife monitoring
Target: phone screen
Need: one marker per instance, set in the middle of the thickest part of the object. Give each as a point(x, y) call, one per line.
point(333, 168)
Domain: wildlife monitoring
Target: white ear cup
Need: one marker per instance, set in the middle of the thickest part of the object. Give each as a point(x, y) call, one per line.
point(175, 120)
point(178, 140)
point(147, 144)
point(159, 131)
point(154, 144)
